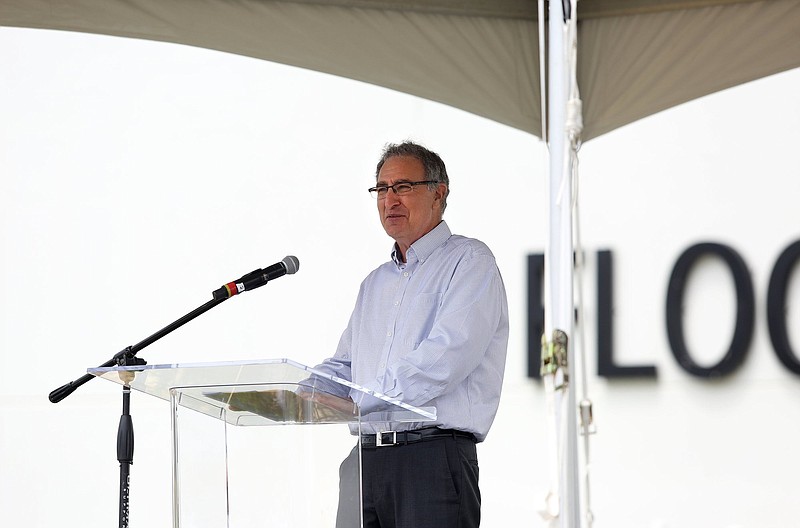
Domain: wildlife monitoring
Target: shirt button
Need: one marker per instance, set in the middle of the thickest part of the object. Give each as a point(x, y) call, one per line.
point(388, 334)
point(405, 274)
point(397, 303)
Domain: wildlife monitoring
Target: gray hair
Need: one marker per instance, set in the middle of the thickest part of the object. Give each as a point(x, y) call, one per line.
point(435, 170)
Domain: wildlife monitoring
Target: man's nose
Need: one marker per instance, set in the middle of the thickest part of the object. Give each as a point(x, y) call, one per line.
point(391, 198)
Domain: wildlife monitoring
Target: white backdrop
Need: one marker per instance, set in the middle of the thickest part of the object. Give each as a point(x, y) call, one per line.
point(137, 177)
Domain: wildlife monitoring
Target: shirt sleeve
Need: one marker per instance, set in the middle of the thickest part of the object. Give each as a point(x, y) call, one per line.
point(340, 365)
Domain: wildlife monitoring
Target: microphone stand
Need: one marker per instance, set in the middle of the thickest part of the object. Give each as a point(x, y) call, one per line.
point(126, 358)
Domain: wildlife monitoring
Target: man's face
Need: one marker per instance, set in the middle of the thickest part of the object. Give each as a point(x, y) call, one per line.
point(407, 217)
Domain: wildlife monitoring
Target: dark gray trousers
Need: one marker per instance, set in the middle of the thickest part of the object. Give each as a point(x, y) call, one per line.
point(430, 484)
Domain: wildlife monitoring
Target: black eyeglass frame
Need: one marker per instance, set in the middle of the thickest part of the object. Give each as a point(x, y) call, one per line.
point(376, 191)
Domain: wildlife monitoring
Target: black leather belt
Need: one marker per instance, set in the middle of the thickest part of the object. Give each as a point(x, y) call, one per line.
point(389, 438)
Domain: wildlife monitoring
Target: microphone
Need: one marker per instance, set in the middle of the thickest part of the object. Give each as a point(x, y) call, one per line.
point(258, 278)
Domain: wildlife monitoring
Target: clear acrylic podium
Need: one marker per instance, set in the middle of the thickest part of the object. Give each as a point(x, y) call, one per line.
point(229, 470)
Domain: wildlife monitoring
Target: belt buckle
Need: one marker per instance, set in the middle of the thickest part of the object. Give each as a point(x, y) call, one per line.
point(385, 438)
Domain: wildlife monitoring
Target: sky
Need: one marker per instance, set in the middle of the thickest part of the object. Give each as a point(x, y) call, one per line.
point(137, 177)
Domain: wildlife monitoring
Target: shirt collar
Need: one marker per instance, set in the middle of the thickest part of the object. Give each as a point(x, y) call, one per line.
point(422, 248)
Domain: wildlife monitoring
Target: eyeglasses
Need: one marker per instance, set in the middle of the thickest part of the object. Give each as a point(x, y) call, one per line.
point(399, 188)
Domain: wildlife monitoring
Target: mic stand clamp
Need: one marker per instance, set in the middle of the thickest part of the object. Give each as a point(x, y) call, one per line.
point(125, 358)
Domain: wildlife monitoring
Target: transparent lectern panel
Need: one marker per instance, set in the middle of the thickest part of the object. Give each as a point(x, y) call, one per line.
point(225, 475)
point(301, 393)
point(283, 476)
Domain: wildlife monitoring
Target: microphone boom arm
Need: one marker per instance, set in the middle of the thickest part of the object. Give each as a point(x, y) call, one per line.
point(127, 355)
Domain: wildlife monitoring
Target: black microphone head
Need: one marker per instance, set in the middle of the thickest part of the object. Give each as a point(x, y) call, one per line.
point(292, 264)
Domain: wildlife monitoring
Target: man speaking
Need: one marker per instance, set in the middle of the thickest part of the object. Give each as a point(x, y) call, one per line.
point(430, 328)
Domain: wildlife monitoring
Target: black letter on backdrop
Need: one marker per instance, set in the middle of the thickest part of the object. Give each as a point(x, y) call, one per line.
point(605, 325)
point(535, 313)
point(745, 309)
point(776, 306)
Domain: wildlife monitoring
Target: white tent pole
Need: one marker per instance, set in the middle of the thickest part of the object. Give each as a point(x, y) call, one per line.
point(559, 262)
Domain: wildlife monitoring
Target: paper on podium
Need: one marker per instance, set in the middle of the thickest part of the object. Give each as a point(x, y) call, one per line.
point(288, 406)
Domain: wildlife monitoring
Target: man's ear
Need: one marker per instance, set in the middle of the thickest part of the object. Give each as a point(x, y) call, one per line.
point(441, 191)
point(441, 194)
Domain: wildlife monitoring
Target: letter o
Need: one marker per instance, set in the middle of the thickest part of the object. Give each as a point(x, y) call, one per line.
point(776, 306)
point(745, 309)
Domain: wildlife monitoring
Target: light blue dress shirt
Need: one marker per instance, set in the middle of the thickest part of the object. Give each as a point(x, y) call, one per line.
point(432, 331)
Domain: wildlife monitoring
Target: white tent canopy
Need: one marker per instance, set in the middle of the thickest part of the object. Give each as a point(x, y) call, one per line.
point(636, 57)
